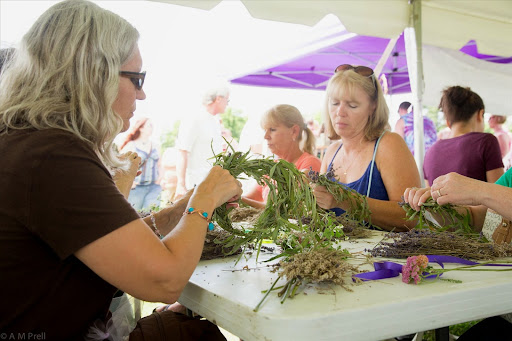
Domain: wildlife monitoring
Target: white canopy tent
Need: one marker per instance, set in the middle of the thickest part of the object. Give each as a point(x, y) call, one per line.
point(443, 23)
point(492, 81)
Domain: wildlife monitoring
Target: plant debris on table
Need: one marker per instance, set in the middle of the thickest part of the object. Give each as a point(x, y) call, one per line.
point(314, 266)
point(427, 242)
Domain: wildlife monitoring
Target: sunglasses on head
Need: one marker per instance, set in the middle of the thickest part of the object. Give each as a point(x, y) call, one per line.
point(361, 70)
point(364, 71)
point(137, 78)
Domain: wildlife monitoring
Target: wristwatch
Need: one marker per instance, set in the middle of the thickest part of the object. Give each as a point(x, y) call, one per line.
point(497, 228)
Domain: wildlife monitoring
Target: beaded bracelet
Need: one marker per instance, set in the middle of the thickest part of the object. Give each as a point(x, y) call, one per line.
point(202, 214)
point(153, 226)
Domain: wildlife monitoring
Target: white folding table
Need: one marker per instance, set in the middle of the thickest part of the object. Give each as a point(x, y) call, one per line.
point(226, 294)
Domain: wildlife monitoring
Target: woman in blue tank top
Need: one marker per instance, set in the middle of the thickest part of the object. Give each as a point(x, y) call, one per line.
point(368, 158)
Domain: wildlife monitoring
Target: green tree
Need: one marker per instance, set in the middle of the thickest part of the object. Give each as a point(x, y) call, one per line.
point(168, 137)
point(233, 120)
point(434, 114)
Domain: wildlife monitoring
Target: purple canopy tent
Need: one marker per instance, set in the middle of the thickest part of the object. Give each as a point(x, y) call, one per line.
point(313, 64)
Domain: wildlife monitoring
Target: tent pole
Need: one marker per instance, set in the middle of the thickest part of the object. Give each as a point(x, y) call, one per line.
point(383, 59)
point(417, 88)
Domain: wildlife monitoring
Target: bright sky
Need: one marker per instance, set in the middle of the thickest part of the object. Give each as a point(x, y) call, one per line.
point(185, 50)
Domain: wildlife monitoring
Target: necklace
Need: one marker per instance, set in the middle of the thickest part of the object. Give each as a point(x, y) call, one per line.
point(348, 168)
point(353, 161)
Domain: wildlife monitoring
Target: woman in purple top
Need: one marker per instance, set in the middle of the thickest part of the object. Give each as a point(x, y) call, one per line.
point(468, 151)
point(369, 158)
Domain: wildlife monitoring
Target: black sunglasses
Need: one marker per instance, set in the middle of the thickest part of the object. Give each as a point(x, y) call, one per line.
point(137, 78)
point(360, 70)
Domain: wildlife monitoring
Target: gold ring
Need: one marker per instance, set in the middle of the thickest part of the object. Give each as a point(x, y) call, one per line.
point(439, 193)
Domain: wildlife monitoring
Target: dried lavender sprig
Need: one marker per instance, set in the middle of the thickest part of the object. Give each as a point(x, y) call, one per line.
point(418, 242)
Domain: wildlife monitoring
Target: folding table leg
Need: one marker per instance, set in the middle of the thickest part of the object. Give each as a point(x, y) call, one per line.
point(443, 334)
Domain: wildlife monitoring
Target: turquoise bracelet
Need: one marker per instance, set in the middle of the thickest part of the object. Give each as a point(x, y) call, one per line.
point(202, 214)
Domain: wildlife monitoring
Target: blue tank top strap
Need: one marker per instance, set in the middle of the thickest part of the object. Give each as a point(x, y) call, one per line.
point(373, 163)
point(332, 160)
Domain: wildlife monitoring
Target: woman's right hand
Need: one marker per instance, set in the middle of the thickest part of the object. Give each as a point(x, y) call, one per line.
point(458, 190)
point(415, 197)
point(220, 186)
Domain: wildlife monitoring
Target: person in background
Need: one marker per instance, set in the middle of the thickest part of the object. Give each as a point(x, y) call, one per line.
point(405, 127)
point(146, 187)
point(228, 138)
point(369, 159)
point(496, 124)
point(469, 151)
point(71, 87)
point(197, 136)
point(314, 126)
point(444, 133)
point(289, 138)
point(251, 137)
point(504, 138)
point(169, 179)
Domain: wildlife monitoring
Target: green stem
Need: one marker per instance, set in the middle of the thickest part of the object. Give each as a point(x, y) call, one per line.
point(268, 292)
point(290, 284)
point(294, 291)
point(276, 288)
point(467, 268)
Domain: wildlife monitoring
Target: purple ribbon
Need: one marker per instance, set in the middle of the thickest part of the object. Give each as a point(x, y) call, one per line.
point(385, 270)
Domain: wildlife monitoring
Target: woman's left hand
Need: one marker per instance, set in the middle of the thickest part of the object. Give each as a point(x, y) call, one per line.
point(124, 178)
point(324, 199)
point(415, 196)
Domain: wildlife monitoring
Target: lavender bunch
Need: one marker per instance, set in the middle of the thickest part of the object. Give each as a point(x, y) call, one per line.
point(359, 210)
